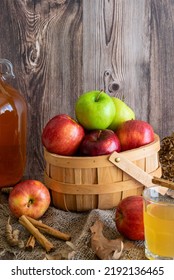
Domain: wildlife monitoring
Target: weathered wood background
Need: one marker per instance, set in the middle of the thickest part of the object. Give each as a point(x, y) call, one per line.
point(61, 48)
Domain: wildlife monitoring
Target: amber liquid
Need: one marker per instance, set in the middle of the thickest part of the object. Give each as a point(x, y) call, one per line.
point(13, 115)
point(159, 230)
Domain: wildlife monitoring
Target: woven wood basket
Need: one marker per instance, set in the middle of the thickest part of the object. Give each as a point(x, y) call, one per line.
point(86, 183)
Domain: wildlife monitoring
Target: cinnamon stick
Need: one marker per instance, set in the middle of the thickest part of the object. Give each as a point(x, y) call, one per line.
point(163, 182)
point(45, 243)
point(49, 230)
point(30, 243)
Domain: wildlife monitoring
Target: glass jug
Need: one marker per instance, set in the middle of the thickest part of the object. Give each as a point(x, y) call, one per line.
point(13, 122)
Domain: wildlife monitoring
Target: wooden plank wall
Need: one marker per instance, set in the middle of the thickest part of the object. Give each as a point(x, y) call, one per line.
point(61, 48)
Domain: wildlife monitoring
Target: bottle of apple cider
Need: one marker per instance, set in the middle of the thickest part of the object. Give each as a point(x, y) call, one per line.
point(13, 128)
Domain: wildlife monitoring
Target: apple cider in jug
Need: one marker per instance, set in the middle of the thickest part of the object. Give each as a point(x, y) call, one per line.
point(13, 119)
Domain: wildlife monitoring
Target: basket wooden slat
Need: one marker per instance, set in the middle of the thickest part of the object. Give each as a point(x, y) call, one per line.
point(105, 188)
point(85, 183)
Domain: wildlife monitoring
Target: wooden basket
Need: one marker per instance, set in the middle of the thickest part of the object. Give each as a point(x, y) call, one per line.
point(86, 183)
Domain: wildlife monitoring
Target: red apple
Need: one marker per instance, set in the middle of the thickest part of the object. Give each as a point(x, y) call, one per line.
point(129, 217)
point(99, 142)
point(29, 197)
point(134, 133)
point(62, 135)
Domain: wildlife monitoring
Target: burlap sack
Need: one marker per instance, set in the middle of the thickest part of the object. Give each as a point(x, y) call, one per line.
point(76, 224)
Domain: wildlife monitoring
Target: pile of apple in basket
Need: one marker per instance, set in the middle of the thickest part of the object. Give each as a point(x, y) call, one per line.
point(103, 124)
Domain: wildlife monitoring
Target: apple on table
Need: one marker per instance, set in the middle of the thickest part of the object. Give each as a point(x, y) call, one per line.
point(129, 217)
point(30, 198)
point(95, 110)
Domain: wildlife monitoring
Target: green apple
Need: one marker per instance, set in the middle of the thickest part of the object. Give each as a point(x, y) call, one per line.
point(95, 110)
point(123, 113)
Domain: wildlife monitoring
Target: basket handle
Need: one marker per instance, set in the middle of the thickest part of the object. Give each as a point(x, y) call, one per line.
point(131, 169)
point(137, 173)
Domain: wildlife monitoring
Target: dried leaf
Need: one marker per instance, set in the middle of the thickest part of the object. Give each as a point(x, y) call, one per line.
point(57, 256)
point(64, 254)
point(117, 254)
point(104, 248)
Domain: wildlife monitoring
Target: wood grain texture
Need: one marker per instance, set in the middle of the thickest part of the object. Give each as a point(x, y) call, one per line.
point(45, 46)
point(161, 99)
point(117, 48)
point(61, 48)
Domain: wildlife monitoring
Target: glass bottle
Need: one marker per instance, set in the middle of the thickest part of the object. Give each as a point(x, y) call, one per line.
point(13, 126)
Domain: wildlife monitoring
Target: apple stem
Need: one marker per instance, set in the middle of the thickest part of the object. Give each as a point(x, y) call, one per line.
point(29, 202)
point(98, 96)
point(99, 132)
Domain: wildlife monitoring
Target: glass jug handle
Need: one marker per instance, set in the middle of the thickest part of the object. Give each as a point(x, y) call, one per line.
point(9, 72)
